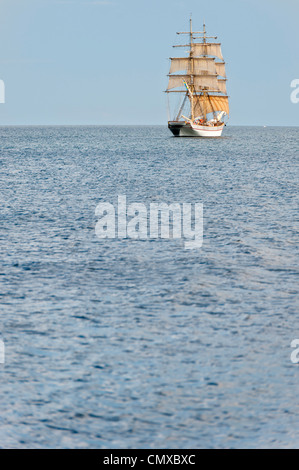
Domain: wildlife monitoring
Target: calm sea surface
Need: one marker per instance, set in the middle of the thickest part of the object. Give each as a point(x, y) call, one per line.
point(144, 344)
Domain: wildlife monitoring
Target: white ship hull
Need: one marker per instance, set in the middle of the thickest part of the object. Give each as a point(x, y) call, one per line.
point(188, 129)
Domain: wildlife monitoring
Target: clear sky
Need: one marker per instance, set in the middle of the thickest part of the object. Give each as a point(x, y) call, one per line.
point(105, 62)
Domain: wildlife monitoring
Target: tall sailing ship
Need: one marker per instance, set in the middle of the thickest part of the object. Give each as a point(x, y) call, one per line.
point(201, 78)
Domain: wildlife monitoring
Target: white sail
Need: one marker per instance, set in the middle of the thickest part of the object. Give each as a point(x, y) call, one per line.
point(196, 66)
point(206, 81)
point(204, 66)
point(176, 81)
point(202, 49)
point(200, 82)
point(222, 85)
point(179, 64)
point(220, 67)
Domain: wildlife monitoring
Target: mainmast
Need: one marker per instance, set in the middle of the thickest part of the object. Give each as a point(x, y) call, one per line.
point(191, 71)
point(191, 88)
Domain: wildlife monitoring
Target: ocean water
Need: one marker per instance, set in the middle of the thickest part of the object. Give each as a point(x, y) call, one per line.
point(142, 343)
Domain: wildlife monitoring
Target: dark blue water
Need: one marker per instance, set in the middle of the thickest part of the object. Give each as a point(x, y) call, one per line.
point(144, 344)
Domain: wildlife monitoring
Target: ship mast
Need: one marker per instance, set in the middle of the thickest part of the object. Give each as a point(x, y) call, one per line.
point(191, 88)
point(191, 71)
point(204, 40)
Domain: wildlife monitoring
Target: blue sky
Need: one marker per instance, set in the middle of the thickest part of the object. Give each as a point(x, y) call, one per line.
point(105, 62)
